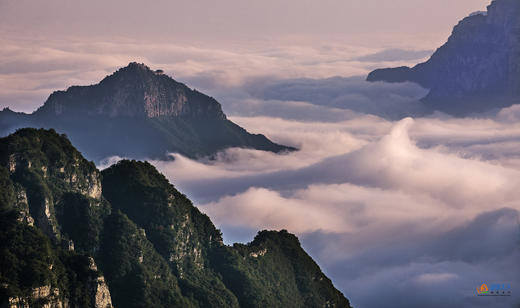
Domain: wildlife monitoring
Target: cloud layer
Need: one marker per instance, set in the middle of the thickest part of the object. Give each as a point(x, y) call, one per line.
point(418, 211)
point(33, 67)
point(400, 213)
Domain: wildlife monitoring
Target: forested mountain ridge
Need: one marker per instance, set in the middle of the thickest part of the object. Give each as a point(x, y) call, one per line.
point(72, 236)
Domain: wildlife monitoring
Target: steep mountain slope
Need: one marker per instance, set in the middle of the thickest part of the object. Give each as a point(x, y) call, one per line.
point(478, 68)
point(138, 113)
point(273, 271)
point(72, 236)
point(45, 182)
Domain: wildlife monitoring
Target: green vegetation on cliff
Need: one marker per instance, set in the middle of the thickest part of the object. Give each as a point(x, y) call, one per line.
point(66, 229)
point(274, 271)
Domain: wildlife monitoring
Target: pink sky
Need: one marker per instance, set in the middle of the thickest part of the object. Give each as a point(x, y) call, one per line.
point(225, 19)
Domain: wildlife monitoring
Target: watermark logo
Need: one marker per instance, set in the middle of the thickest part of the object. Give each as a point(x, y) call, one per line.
point(483, 289)
point(495, 289)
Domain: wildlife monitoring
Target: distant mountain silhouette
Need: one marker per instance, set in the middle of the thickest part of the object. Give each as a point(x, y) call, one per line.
point(477, 70)
point(139, 113)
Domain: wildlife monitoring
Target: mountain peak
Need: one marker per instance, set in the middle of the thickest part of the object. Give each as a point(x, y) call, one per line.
point(476, 70)
point(135, 65)
point(139, 113)
point(138, 70)
point(134, 91)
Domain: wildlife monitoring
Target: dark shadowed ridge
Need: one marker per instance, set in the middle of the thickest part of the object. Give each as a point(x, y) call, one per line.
point(73, 236)
point(476, 70)
point(139, 113)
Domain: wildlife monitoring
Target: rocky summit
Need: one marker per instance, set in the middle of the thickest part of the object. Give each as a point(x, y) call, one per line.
point(72, 236)
point(133, 91)
point(476, 70)
point(138, 113)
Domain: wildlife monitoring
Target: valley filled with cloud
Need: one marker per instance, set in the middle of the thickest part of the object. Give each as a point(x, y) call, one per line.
point(408, 209)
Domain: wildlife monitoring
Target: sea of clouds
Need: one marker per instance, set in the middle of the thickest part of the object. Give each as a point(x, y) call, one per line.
point(416, 212)
point(400, 207)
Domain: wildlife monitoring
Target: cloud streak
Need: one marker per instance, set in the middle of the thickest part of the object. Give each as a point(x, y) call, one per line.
point(382, 99)
point(396, 54)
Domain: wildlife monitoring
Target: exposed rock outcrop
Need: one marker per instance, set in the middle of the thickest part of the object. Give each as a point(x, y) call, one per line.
point(133, 91)
point(44, 297)
point(50, 175)
point(49, 297)
point(101, 293)
point(99, 289)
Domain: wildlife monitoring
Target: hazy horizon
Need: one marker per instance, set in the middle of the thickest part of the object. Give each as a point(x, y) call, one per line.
point(49, 46)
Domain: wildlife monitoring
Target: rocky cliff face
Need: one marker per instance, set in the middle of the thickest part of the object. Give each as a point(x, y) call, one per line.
point(45, 296)
point(478, 68)
point(71, 236)
point(100, 294)
point(138, 113)
point(38, 179)
point(43, 174)
point(133, 91)
point(48, 297)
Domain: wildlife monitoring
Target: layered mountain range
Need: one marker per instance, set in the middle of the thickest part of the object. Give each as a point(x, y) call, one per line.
point(476, 70)
point(74, 236)
point(139, 113)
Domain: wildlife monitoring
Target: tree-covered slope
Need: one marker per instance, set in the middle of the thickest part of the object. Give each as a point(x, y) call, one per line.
point(274, 271)
point(41, 174)
point(72, 236)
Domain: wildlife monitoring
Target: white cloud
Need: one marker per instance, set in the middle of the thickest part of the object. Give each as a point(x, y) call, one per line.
point(408, 206)
point(32, 68)
point(341, 208)
point(396, 162)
